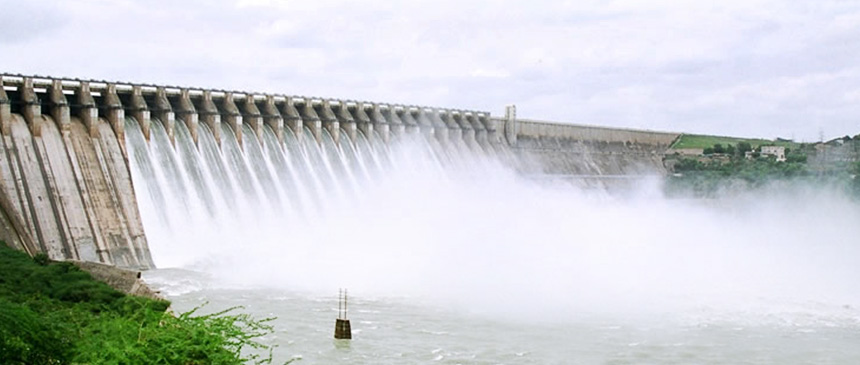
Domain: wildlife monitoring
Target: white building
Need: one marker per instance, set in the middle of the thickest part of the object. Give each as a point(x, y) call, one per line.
point(777, 151)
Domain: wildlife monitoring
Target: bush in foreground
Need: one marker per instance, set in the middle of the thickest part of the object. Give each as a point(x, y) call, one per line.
point(54, 313)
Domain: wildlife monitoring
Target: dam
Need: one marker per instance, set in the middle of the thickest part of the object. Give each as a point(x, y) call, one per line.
point(85, 162)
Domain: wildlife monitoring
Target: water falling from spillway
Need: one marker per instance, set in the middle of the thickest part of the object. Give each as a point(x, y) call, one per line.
point(448, 221)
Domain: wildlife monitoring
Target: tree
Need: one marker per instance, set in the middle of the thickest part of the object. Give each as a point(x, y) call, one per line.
point(744, 147)
point(708, 151)
point(796, 157)
point(730, 149)
point(718, 148)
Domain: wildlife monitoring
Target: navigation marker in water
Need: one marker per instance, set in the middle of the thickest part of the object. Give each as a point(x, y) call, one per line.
point(342, 330)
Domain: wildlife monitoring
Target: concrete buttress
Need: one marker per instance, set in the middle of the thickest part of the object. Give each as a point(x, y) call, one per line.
point(272, 117)
point(230, 115)
point(292, 118)
point(185, 111)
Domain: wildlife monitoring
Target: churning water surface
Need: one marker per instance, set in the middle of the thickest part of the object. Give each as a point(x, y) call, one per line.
point(452, 258)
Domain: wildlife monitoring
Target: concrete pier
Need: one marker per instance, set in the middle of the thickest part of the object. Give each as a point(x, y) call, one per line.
point(362, 120)
point(417, 126)
point(395, 123)
point(112, 110)
point(184, 110)
point(251, 115)
point(162, 111)
point(449, 129)
point(138, 109)
point(272, 117)
point(380, 123)
point(310, 120)
point(346, 121)
point(208, 113)
point(230, 115)
point(328, 119)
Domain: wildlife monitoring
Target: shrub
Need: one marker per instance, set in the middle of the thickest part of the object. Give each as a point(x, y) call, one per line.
point(27, 337)
point(54, 313)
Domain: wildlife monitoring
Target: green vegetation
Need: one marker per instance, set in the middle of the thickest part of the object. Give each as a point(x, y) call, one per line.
point(717, 172)
point(705, 141)
point(54, 313)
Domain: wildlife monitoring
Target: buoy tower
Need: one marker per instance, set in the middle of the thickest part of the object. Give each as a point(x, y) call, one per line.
point(342, 330)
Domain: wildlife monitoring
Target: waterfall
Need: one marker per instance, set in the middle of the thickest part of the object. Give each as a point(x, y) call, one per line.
point(199, 202)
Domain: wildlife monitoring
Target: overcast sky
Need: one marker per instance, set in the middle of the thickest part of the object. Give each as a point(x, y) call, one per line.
point(761, 68)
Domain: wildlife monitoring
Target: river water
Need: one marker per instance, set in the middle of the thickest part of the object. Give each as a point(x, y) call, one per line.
point(745, 281)
point(452, 259)
point(407, 330)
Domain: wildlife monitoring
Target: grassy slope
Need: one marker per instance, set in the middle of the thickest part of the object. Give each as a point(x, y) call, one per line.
point(703, 141)
point(54, 313)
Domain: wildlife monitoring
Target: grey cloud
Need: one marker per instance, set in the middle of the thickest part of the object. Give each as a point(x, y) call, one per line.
point(24, 21)
point(743, 67)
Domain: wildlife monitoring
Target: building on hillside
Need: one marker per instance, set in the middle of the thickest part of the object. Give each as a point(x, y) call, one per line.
point(778, 151)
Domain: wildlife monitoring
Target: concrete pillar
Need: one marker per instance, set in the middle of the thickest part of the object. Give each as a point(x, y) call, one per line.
point(430, 127)
point(292, 118)
point(424, 124)
point(395, 124)
point(466, 131)
point(416, 126)
point(162, 110)
point(207, 113)
point(481, 134)
point(272, 117)
point(511, 129)
point(113, 112)
point(311, 119)
point(30, 107)
point(410, 125)
point(185, 111)
point(379, 123)
point(442, 117)
point(346, 121)
point(5, 111)
point(492, 126)
point(230, 114)
point(362, 120)
point(473, 120)
point(60, 110)
point(86, 109)
point(252, 116)
point(138, 110)
point(448, 128)
point(329, 120)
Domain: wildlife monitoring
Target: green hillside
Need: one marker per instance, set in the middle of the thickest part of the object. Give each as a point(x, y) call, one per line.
point(703, 141)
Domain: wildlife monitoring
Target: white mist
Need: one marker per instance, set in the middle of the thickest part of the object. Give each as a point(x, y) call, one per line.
point(444, 229)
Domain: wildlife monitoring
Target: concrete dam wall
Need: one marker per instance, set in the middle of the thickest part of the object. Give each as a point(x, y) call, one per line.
point(546, 148)
point(67, 186)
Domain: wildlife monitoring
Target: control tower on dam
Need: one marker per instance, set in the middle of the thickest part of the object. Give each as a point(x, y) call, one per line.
point(76, 155)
